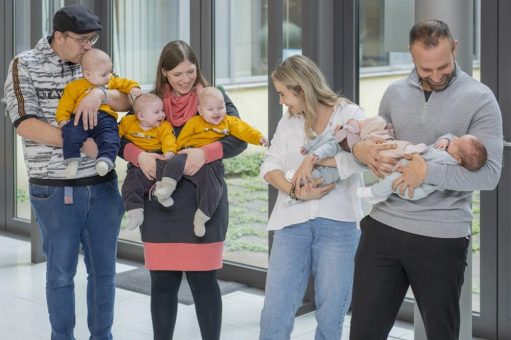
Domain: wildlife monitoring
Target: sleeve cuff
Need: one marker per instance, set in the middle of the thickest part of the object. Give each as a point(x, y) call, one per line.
point(213, 151)
point(131, 153)
point(433, 174)
point(17, 122)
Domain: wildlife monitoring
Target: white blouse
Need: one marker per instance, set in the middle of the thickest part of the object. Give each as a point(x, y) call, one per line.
point(340, 204)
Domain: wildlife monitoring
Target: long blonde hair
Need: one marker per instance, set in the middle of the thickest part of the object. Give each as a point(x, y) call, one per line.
point(304, 78)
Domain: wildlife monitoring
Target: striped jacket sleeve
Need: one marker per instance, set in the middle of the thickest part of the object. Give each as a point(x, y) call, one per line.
point(20, 94)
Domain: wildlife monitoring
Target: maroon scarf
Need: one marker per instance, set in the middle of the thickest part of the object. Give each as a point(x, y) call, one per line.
point(179, 109)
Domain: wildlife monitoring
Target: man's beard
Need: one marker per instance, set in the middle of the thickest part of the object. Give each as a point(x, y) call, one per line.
point(442, 85)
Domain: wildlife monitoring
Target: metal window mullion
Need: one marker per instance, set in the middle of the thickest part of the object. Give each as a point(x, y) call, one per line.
point(504, 192)
point(202, 35)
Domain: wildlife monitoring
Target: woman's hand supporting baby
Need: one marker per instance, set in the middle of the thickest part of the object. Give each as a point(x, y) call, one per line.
point(368, 153)
point(195, 160)
point(147, 163)
point(305, 187)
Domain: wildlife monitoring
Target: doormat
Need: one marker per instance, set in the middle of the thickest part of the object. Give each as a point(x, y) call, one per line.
point(138, 280)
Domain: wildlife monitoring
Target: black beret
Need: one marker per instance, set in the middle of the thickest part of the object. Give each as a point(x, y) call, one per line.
point(77, 19)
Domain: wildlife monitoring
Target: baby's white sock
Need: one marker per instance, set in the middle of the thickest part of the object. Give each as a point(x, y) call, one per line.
point(164, 189)
point(135, 218)
point(71, 169)
point(199, 223)
point(102, 168)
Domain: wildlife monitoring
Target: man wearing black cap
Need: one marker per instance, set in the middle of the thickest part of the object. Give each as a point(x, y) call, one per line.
point(83, 211)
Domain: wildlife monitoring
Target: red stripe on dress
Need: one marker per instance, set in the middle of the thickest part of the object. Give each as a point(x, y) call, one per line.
point(183, 256)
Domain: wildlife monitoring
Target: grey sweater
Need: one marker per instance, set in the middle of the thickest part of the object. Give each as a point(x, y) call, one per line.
point(465, 107)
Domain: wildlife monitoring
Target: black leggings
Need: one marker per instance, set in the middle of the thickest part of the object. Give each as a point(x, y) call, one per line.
point(206, 295)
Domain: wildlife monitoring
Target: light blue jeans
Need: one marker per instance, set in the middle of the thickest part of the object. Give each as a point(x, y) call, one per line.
point(321, 246)
point(93, 220)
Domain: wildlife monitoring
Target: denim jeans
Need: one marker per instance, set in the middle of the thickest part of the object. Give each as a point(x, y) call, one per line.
point(92, 220)
point(321, 246)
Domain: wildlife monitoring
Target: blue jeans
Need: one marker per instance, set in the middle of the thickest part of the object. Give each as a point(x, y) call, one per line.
point(93, 220)
point(325, 247)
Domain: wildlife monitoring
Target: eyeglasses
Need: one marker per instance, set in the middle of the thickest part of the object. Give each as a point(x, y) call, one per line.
point(84, 40)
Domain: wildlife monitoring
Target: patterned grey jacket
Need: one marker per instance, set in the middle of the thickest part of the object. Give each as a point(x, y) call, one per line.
point(34, 85)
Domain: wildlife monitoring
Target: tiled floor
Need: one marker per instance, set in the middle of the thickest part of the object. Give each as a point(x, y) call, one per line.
point(23, 314)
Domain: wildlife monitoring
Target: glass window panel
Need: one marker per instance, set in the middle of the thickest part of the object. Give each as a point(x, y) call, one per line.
point(140, 30)
point(292, 28)
point(377, 55)
point(476, 203)
point(21, 43)
point(21, 182)
point(240, 42)
point(241, 67)
point(291, 32)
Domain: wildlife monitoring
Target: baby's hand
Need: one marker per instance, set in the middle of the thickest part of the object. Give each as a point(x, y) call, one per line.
point(63, 122)
point(264, 142)
point(134, 93)
point(390, 129)
point(441, 144)
point(168, 155)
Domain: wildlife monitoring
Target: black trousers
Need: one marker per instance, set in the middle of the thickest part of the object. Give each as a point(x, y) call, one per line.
point(206, 296)
point(387, 262)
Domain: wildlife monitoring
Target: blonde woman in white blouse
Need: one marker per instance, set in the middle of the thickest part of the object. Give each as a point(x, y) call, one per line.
point(319, 233)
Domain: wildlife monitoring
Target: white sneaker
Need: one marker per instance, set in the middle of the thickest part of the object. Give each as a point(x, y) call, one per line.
point(71, 169)
point(135, 218)
point(102, 168)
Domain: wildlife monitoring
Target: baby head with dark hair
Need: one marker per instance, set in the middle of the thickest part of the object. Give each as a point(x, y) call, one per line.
point(468, 151)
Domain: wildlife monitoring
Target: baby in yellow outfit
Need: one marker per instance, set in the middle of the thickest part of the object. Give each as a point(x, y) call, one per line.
point(150, 131)
point(210, 126)
point(97, 73)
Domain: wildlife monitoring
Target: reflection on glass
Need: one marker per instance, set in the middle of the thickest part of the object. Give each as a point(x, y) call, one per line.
point(292, 28)
point(140, 30)
point(476, 222)
point(241, 67)
point(291, 31)
point(21, 43)
point(22, 196)
point(476, 252)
